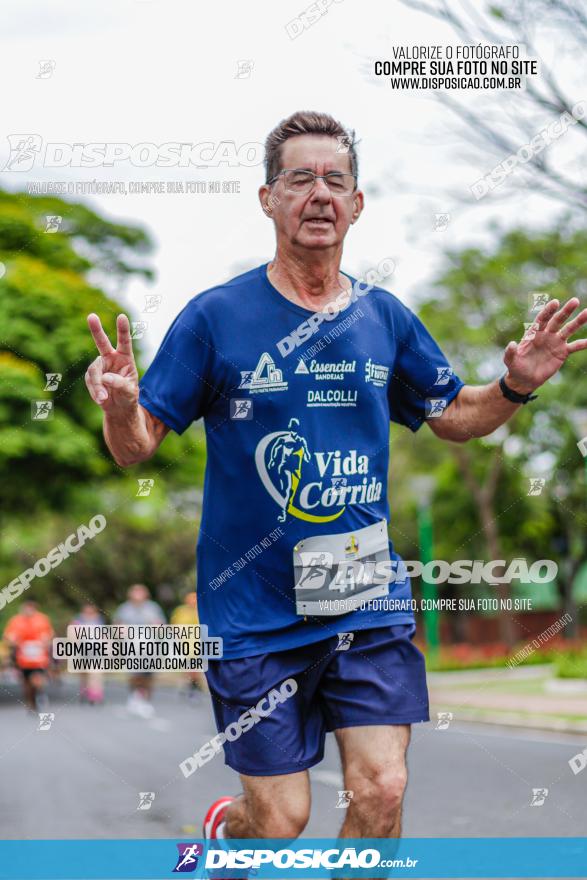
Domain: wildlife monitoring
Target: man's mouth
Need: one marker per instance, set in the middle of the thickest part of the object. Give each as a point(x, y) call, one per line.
point(319, 221)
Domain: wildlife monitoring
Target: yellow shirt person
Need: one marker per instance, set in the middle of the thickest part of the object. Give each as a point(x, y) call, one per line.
point(187, 615)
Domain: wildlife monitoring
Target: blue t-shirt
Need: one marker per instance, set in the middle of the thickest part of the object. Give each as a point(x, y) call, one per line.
point(296, 411)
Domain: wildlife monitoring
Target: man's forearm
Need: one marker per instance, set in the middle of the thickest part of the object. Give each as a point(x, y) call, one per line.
point(477, 411)
point(128, 436)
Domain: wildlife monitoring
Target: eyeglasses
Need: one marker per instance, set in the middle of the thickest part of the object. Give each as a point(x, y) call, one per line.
point(301, 182)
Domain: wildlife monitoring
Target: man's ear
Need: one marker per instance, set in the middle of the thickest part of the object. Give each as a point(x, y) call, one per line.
point(264, 198)
point(358, 205)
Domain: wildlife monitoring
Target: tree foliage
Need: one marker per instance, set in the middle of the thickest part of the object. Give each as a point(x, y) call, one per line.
point(56, 473)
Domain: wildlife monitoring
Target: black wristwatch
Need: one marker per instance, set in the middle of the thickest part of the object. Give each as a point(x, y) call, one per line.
point(512, 395)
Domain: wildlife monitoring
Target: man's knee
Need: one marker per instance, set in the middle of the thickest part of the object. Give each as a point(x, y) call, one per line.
point(378, 790)
point(277, 819)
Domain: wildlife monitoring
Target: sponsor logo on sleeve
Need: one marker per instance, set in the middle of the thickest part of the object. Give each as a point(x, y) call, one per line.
point(378, 374)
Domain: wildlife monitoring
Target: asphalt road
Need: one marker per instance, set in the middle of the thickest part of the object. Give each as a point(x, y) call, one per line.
point(82, 777)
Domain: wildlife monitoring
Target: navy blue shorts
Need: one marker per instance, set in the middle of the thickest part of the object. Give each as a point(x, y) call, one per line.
point(379, 678)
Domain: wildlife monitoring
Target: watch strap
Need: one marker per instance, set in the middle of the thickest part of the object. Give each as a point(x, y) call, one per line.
point(512, 395)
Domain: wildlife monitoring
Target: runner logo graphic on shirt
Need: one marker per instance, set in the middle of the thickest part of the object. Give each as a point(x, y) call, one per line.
point(287, 470)
point(265, 377)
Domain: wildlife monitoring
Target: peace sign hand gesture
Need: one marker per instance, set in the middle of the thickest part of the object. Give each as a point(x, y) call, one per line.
point(112, 379)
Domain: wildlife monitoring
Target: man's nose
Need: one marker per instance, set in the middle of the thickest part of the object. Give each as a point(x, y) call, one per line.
point(320, 192)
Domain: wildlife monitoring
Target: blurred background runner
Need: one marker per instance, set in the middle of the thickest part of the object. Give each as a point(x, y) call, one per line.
point(29, 635)
point(91, 687)
point(187, 615)
point(140, 610)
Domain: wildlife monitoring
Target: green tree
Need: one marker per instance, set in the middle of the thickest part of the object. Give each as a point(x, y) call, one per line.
point(45, 296)
point(57, 473)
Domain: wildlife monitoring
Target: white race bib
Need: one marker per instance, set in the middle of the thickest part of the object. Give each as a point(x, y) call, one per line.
point(32, 650)
point(335, 574)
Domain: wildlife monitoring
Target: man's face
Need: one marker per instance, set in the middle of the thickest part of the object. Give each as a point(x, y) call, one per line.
point(317, 220)
point(138, 594)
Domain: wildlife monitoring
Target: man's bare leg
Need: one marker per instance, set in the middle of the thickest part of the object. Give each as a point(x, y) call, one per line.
point(270, 806)
point(30, 693)
point(374, 767)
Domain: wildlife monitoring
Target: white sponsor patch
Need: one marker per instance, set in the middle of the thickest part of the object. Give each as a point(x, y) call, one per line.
point(378, 374)
point(265, 377)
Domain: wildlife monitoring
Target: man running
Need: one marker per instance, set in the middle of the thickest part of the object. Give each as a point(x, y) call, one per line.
point(273, 338)
point(29, 634)
point(139, 610)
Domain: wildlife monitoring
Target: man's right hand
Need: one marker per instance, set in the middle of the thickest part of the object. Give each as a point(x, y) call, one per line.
point(131, 432)
point(112, 379)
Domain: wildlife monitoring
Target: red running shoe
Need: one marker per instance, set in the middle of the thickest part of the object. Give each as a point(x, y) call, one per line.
point(215, 817)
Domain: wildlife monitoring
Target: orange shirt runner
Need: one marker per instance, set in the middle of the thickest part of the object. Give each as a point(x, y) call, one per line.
point(32, 635)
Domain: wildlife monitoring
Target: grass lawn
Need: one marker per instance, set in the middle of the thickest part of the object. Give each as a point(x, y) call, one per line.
point(534, 686)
